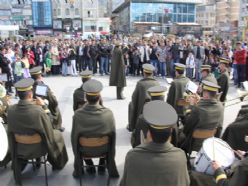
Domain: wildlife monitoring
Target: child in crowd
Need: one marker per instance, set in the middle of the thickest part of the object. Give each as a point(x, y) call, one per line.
point(18, 68)
point(190, 65)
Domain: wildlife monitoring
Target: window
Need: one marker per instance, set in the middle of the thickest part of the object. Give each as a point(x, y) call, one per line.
point(90, 13)
point(67, 11)
point(76, 11)
point(100, 28)
point(91, 28)
point(54, 12)
point(59, 12)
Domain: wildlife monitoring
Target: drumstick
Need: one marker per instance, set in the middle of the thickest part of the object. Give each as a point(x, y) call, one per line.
point(213, 150)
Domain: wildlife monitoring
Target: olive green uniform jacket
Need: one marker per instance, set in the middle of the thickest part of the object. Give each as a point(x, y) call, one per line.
point(155, 165)
point(138, 100)
point(52, 105)
point(28, 118)
point(117, 75)
point(210, 77)
point(223, 82)
point(176, 92)
point(94, 121)
point(78, 98)
point(207, 114)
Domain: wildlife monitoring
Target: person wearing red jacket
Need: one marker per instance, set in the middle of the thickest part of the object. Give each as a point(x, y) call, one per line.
point(240, 59)
point(31, 57)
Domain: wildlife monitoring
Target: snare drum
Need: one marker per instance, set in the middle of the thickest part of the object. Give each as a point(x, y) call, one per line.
point(4, 142)
point(213, 149)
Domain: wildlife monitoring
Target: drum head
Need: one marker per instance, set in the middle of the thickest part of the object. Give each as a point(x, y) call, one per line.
point(218, 150)
point(4, 142)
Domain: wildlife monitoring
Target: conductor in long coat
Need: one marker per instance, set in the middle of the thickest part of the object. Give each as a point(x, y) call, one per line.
point(25, 117)
point(117, 75)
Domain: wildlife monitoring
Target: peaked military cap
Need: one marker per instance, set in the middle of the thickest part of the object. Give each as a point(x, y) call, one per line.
point(179, 66)
point(159, 115)
point(224, 60)
point(157, 91)
point(210, 86)
point(92, 87)
point(24, 85)
point(205, 67)
point(148, 68)
point(86, 74)
point(35, 70)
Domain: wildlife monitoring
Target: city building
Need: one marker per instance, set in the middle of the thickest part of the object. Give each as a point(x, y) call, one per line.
point(154, 15)
point(243, 20)
point(227, 16)
point(206, 16)
point(81, 17)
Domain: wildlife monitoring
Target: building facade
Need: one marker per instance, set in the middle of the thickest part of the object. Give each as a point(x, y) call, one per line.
point(81, 16)
point(243, 20)
point(227, 16)
point(206, 16)
point(156, 15)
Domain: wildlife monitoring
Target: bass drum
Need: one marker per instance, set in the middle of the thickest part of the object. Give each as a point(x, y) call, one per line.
point(4, 150)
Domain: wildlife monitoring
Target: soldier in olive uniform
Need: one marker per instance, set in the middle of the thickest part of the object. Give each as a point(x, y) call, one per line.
point(208, 113)
point(25, 117)
point(157, 162)
point(52, 101)
point(79, 95)
point(140, 94)
point(206, 75)
point(117, 75)
point(223, 80)
point(177, 88)
point(139, 133)
point(93, 120)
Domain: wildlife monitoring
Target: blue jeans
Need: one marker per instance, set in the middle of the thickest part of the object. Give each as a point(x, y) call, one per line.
point(64, 68)
point(241, 73)
point(198, 63)
point(104, 65)
point(162, 66)
point(87, 63)
point(154, 62)
point(235, 74)
point(189, 72)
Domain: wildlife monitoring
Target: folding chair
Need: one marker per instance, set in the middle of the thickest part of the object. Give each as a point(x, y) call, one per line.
point(93, 147)
point(35, 141)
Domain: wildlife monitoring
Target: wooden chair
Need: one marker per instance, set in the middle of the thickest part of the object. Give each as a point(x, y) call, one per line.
point(27, 140)
point(93, 147)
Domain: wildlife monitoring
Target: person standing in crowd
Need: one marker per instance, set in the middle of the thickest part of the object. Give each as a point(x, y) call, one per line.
point(64, 60)
point(27, 118)
point(136, 60)
point(31, 57)
point(94, 55)
point(177, 88)
point(240, 55)
point(117, 74)
point(86, 56)
point(72, 61)
point(190, 65)
point(55, 68)
point(139, 95)
point(174, 50)
point(154, 58)
point(223, 80)
point(48, 61)
point(157, 162)
point(80, 55)
point(199, 54)
point(5, 69)
point(161, 55)
point(94, 120)
point(104, 52)
point(18, 66)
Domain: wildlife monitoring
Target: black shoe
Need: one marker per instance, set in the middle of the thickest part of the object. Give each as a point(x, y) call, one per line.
point(75, 174)
point(37, 163)
point(62, 129)
point(128, 128)
point(91, 170)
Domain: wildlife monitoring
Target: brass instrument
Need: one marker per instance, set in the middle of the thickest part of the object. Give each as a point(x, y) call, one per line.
point(239, 99)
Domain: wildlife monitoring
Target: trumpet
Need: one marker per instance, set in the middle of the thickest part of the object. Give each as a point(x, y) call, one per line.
point(189, 99)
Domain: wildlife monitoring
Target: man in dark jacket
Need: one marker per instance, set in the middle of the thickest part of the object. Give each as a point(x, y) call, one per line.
point(4, 65)
point(223, 80)
point(140, 94)
point(157, 162)
point(94, 120)
point(117, 75)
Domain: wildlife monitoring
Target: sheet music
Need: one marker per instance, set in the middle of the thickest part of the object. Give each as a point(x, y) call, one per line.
point(169, 80)
point(192, 87)
point(3, 77)
point(41, 90)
